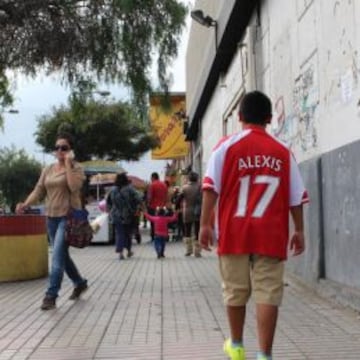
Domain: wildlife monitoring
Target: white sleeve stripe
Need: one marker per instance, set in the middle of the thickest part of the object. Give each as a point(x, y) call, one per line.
point(216, 161)
point(297, 188)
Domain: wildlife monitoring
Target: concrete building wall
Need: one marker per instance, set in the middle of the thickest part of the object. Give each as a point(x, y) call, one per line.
point(310, 265)
point(211, 129)
point(341, 195)
point(221, 116)
point(201, 51)
point(310, 67)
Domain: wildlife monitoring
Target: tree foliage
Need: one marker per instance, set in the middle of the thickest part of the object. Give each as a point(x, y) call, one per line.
point(113, 40)
point(111, 131)
point(6, 98)
point(18, 175)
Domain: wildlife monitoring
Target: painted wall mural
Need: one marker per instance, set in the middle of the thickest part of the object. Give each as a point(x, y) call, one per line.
point(298, 127)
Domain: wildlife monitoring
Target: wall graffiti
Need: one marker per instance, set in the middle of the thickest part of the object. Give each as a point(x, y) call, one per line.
point(298, 128)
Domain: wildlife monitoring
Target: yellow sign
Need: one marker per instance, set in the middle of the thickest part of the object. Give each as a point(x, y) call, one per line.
point(168, 125)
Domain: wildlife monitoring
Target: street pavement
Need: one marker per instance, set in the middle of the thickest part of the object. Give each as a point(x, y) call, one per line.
point(171, 309)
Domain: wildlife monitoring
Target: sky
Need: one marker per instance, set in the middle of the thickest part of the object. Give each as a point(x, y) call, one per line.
point(37, 96)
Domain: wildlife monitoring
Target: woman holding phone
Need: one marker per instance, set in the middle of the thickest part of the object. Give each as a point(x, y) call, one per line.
point(60, 184)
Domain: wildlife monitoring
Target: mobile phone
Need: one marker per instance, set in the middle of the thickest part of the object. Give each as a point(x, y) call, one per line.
point(71, 155)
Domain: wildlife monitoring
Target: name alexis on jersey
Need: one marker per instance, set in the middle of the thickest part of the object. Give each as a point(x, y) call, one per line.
point(260, 161)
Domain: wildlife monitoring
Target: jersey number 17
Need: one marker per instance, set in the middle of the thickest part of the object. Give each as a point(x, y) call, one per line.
point(272, 183)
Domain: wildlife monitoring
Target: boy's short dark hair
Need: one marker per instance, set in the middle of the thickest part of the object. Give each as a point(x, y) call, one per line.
point(255, 108)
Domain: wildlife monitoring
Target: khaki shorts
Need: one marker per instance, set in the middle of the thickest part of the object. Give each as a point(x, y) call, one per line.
point(245, 275)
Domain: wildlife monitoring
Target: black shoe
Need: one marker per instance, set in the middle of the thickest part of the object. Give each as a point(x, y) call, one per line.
point(48, 303)
point(78, 290)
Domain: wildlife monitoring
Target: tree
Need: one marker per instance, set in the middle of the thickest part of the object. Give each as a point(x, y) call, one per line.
point(114, 41)
point(103, 130)
point(18, 175)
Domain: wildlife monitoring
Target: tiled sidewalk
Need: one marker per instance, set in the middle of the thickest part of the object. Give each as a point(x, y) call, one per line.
point(149, 309)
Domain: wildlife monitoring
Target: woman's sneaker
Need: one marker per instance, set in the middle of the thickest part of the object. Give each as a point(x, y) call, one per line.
point(234, 353)
point(78, 290)
point(48, 303)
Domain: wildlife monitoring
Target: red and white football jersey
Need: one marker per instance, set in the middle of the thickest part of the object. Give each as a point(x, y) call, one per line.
point(257, 179)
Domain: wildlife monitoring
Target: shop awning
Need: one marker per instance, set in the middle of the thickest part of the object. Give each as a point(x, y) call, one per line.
point(101, 167)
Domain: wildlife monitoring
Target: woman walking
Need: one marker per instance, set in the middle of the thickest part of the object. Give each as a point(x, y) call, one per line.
point(60, 184)
point(123, 203)
point(190, 198)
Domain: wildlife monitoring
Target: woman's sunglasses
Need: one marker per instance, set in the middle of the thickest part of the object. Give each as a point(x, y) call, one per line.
point(61, 148)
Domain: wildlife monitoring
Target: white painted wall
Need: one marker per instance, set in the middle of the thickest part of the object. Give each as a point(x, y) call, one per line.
point(310, 67)
point(200, 51)
point(211, 127)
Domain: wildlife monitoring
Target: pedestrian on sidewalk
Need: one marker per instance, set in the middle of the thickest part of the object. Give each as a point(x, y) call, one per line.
point(179, 225)
point(60, 185)
point(190, 199)
point(253, 181)
point(144, 199)
point(160, 222)
point(123, 203)
point(157, 196)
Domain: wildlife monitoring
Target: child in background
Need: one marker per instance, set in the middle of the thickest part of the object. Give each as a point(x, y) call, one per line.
point(160, 221)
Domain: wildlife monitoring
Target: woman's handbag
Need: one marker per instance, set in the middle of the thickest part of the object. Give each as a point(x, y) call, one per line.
point(78, 232)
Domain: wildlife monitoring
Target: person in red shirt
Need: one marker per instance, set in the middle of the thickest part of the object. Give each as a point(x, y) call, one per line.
point(252, 181)
point(161, 222)
point(157, 196)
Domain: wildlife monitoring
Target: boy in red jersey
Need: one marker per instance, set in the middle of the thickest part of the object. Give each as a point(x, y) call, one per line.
point(252, 181)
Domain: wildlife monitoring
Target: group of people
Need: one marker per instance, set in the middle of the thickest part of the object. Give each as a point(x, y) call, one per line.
point(185, 202)
point(251, 185)
point(160, 208)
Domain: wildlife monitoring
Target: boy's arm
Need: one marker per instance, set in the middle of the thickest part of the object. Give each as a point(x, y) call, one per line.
point(207, 209)
point(297, 242)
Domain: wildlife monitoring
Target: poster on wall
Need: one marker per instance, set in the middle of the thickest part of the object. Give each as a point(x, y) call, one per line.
point(168, 121)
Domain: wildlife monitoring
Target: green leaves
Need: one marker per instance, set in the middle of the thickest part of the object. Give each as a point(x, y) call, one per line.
point(114, 41)
point(18, 175)
point(6, 99)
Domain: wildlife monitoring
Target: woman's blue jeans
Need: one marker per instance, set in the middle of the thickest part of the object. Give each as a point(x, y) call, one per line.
point(61, 260)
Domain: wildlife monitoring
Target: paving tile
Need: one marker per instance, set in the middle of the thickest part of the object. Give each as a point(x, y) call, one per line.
point(148, 309)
